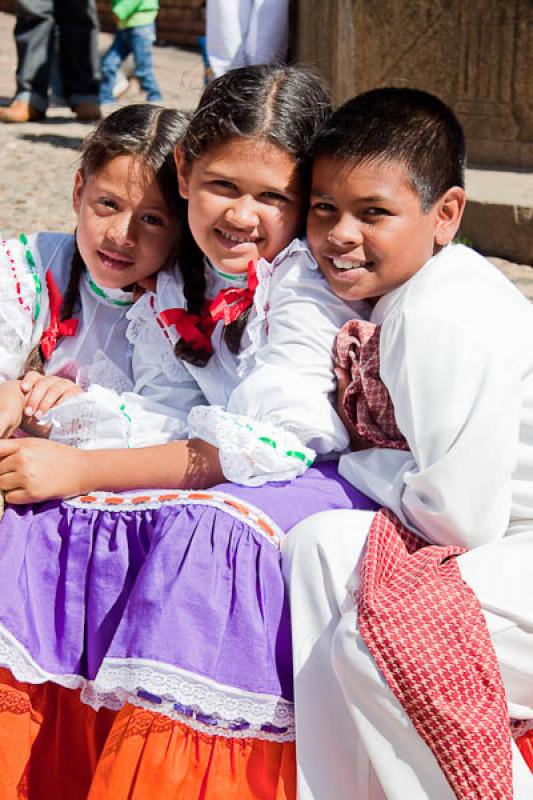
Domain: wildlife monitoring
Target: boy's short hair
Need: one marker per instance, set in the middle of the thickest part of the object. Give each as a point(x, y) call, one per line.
point(399, 124)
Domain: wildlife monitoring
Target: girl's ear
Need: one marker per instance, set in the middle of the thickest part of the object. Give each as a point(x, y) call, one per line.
point(449, 210)
point(77, 191)
point(184, 172)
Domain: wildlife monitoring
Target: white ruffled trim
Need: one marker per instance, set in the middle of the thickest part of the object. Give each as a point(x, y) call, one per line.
point(251, 452)
point(89, 421)
point(257, 325)
point(119, 682)
point(102, 371)
point(101, 418)
point(172, 685)
point(18, 305)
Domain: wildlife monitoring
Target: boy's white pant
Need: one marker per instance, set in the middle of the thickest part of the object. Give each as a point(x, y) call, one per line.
point(242, 32)
point(353, 738)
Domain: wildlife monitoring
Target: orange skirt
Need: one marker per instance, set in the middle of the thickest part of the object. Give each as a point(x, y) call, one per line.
point(54, 746)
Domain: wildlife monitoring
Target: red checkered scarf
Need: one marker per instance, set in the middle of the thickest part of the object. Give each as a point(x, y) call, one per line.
point(422, 624)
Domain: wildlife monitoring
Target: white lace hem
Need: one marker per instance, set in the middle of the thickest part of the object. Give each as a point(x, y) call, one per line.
point(171, 691)
point(251, 452)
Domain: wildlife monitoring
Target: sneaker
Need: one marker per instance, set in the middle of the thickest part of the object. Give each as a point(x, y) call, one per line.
point(87, 111)
point(20, 111)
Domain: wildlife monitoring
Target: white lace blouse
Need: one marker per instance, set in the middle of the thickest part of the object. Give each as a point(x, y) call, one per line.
point(267, 408)
point(98, 352)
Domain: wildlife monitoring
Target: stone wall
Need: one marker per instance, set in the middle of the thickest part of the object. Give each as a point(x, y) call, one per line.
point(476, 55)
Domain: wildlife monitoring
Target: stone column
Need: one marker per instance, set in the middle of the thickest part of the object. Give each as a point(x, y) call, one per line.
point(476, 55)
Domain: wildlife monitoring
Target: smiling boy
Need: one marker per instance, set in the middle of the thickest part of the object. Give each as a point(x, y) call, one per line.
point(455, 357)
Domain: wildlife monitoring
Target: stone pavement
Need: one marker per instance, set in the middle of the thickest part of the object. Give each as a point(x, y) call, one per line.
point(38, 160)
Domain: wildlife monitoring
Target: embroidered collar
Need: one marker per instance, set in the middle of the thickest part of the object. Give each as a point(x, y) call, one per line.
point(115, 297)
point(238, 279)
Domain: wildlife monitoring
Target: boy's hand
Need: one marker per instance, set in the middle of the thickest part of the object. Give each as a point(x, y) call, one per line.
point(32, 470)
point(43, 392)
point(12, 401)
point(343, 381)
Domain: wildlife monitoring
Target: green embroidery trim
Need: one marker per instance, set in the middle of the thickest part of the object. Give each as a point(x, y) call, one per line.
point(228, 275)
point(268, 441)
point(299, 456)
point(23, 239)
point(100, 292)
point(122, 409)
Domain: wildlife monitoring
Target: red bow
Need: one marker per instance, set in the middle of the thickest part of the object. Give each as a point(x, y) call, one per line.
point(230, 303)
point(195, 329)
point(56, 328)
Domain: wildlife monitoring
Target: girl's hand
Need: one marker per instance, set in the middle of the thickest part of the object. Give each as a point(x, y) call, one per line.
point(343, 381)
point(12, 403)
point(32, 470)
point(43, 392)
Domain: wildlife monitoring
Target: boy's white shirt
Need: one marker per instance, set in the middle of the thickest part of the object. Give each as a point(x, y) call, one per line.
point(268, 408)
point(455, 350)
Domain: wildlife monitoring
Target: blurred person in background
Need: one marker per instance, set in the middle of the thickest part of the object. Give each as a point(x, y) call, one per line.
point(135, 34)
point(244, 32)
point(37, 22)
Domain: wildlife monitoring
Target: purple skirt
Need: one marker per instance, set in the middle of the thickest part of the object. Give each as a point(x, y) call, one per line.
point(173, 600)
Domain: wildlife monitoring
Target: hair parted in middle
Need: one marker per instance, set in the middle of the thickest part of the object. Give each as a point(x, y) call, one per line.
point(148, 133)
point(281, 104)
point(405, 125)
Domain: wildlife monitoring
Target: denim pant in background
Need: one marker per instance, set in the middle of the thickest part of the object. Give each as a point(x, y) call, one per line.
point(76, 23)
point(137, 40)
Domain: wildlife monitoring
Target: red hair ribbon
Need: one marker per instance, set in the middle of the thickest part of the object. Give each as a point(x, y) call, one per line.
point(56, 328)
point(195, 329)
point(230, 303)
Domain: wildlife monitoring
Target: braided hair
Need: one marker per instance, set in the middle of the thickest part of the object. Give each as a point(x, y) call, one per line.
point(281, 104)
point(144, 131)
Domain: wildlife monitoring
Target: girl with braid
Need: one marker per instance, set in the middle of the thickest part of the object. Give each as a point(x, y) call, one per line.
point(65, 299)
point(167, 603)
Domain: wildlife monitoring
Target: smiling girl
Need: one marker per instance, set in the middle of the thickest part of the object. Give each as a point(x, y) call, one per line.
point(65, 299)
point(172, 602)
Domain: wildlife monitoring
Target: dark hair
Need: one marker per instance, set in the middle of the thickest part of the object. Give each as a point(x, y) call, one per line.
point(282, 104)
point(144, 131)
point(410, 126)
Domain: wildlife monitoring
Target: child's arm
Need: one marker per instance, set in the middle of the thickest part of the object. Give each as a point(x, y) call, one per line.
point(456, 394)
point(44, 392)
point(12, 402)
point(283, 413)
point(32, 470)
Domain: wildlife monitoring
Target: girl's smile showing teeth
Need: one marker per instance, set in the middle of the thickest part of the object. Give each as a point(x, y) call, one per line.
point(114, 260)
point(236, 239)
point(344, 264)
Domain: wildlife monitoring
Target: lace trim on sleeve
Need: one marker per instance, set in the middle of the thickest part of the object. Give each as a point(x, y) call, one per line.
point(257, 327)
point(251, 452)
point(101, 418)
point(20, 305)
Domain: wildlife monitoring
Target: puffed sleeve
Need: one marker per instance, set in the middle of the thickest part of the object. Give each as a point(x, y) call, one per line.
point(155, 408)
point(23, 304)
point(456, 394)
point(281, 415)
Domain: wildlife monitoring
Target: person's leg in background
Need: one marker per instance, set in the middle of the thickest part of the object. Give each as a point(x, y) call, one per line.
point(267, 37)
point(111, 62)
point(34, 39)
point(79, 57)
point(227, 23)
point(141, 39)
